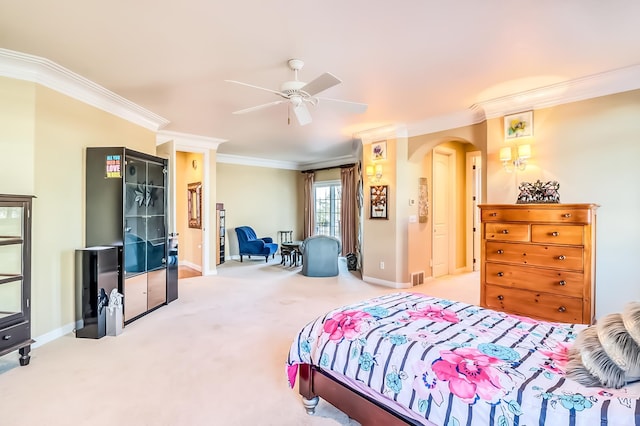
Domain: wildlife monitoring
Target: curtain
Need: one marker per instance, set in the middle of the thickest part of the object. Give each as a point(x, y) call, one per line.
point(309, 208)
point(348, 210)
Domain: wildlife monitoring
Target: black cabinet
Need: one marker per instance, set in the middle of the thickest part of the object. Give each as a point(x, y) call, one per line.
point(96, 278)
point(220, 224)
point(126, 201)
point(15, 275)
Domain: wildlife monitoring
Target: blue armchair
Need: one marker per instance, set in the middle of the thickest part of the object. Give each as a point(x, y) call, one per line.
point(249, 244)
point(320, 256)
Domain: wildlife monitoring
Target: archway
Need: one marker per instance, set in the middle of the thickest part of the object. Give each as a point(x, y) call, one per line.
point(459, 185)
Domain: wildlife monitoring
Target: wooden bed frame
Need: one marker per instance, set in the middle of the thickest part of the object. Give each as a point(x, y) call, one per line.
point(315, 384)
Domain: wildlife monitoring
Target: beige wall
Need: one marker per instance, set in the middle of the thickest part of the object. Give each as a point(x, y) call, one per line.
point(407, 161)
point(379, 235)
point(189, 239)
point(269, 200)
point(45, 157)
point(17, 136)
point(591, 148)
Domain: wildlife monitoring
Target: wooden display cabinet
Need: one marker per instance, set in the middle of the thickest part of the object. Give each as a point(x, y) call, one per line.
point(15, 276)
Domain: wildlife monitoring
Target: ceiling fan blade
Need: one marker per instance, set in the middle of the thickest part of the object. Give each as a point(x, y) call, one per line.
point(256, 87)
point(355, 107)
point(255, 108)
point(321, 83)
point(302, 114)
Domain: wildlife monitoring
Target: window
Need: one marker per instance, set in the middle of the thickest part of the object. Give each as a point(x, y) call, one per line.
point(327, 208)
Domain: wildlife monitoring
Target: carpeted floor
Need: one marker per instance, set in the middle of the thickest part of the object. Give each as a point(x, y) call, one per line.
point(216, 356)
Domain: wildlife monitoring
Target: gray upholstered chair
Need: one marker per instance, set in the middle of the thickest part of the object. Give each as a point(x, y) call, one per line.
point(320, 256)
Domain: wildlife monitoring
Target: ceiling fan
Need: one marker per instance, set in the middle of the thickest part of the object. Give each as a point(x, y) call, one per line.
point(298, 94)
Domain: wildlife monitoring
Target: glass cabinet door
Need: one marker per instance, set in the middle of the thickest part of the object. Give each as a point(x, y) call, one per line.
point(12, 302)
point(135, 221)
point(156, 231)
point(144, 216)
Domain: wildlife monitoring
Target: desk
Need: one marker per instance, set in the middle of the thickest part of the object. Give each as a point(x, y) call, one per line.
point(291, 250)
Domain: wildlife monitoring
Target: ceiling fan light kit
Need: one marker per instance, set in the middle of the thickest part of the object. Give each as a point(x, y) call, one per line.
point(299, 94)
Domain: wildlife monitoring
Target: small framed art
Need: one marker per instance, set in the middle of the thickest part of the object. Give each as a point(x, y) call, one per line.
point(423, 201)
point(379, 150)
point(378, 195)
point(518, 125)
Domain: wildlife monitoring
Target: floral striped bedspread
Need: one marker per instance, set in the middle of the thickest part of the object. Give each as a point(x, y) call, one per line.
point(458, 364)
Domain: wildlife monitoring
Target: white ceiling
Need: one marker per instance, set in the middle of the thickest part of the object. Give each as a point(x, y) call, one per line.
point(410, 60)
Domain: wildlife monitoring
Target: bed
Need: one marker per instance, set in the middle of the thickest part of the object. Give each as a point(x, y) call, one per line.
point(408, 358)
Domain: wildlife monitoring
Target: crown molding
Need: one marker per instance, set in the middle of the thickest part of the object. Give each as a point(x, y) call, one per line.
point(579, 89)
point(22, 66)
point(593, 86)
point(42, 71)
point(185, 141)
point(391, 131)
point(254, 161)
point(334, 162)
point(468, 117)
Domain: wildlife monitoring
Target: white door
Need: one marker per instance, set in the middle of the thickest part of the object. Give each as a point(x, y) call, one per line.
point(443, 183)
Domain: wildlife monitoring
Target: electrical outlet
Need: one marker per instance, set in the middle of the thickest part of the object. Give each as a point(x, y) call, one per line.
point(381, 265)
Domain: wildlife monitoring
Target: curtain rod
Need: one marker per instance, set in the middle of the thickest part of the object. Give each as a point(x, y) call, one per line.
point(344, 166)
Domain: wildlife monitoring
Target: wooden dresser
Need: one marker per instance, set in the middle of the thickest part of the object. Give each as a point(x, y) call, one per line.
point(538, 260)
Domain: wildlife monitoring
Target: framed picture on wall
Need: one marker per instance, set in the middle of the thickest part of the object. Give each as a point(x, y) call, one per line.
point(379, 150)
point(423, 200)
point(518, 125)
point(378, 196)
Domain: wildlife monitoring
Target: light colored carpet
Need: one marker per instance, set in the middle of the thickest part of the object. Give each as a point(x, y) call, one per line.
point(216, 356)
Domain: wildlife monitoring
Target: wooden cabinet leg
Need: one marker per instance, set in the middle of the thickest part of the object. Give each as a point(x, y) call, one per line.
point(24, 355)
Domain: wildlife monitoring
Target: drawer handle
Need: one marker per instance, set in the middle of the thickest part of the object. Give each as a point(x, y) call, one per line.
point(505, 231)
point(567, 215)
point(563, 282)
point(500, 251)
point(555, 234)
point(494, 214)
point(501, 274)
point(501, 297)
point(562, 309)
point(7, 337)
point(561, 257)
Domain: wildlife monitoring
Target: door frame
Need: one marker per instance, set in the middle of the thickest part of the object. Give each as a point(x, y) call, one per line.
point(205, 146)
point(474, 189)
point(451, 261)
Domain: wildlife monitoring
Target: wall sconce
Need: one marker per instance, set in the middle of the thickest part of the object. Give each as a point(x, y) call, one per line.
point(519, 161)
point(374, 172)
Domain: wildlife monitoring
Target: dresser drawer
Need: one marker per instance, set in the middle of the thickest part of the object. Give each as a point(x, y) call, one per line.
point(15, 335)
point(560, 257)
point(506, 231)
point(546, 306)
point(557, 234)
point(564, 283)
point(542, 215)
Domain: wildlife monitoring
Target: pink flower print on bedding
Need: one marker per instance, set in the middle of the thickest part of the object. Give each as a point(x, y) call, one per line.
point(348, 325)
point(471, 374)
point(434, 313)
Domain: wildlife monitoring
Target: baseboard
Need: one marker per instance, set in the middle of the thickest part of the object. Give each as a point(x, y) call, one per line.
point(386, 283)
point(191, 265)
point(55, 334)
point(210, 272)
